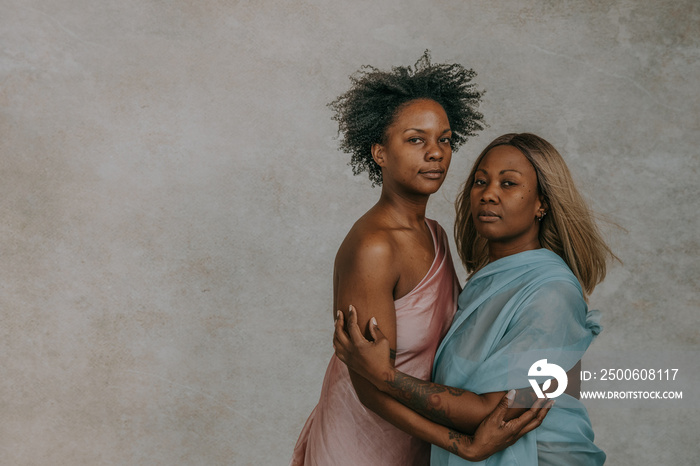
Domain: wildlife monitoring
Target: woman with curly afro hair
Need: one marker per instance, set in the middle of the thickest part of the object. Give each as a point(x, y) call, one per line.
point(401, 127)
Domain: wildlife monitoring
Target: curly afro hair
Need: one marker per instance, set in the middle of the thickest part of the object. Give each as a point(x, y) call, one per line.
point(366, 110)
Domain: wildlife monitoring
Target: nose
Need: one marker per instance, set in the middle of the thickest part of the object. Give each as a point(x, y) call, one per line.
point(489, 194)
point(435, 152)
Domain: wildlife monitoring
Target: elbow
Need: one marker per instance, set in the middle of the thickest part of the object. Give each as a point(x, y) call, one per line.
point(474, 457)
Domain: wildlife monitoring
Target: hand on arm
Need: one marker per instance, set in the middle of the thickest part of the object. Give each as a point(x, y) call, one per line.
point(492, 435)
point(452, 407)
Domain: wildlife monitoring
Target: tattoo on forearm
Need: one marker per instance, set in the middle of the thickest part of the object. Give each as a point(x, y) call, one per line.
point(456, 438)
point(423, 397)
point(392, 354)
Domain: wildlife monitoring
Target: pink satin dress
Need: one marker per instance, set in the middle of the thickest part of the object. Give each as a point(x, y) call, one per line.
point(340, 431)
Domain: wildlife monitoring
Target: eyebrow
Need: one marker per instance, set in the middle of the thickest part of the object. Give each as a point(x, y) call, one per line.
point(448, 130)
point(501, 172)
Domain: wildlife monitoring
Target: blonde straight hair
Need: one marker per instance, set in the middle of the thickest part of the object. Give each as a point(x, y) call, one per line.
point(568, 229)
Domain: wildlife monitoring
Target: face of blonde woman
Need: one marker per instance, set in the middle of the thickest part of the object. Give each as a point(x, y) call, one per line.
point(505, 201)
point(417, 149)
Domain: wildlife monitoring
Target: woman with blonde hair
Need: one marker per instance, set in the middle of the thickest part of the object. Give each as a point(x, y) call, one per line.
point(534, 254)
point(569, 229)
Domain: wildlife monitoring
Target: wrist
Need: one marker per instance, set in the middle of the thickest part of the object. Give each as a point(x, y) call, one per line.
point(471, 452)
point(463, 445)
point(383, 381)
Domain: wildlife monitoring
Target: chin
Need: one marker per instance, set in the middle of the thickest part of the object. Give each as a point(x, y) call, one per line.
point(485, 233)
point(432, 188)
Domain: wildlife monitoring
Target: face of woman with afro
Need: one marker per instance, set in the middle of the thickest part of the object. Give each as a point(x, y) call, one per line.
point(417, 149)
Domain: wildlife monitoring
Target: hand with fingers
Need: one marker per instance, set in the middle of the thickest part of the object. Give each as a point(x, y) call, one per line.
point(373, 360)
point(495, 434)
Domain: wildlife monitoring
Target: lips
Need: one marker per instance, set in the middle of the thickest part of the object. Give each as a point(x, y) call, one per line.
point(488, 216)
point(434, 173)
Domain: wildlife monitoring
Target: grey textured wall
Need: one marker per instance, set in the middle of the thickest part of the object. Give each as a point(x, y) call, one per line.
point(172, 199)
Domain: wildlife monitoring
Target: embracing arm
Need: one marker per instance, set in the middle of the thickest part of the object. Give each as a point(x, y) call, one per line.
point(449, 406)
point(452, 407)
point(556, 311)
point(492, 435)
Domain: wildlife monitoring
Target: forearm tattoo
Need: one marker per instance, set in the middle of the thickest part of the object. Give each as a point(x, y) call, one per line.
point(456, 438)
point(392, 354)
point(423, 397)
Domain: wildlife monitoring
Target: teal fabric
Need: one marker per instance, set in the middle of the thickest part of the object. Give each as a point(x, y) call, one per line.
point(512, 313)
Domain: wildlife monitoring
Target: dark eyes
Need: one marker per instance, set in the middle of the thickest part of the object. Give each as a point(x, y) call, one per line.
point(507, 184)
point(419, 140)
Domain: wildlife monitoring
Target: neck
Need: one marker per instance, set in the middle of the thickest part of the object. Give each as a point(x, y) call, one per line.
point(501, 250)
point(404, 210)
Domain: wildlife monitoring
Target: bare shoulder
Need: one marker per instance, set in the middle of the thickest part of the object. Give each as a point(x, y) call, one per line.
point(367, 244)
point(366, 273)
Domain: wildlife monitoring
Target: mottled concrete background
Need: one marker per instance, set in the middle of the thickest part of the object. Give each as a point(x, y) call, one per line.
point(172, 199)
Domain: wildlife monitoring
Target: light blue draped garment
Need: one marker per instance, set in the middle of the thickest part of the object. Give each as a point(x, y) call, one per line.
point(515, 311)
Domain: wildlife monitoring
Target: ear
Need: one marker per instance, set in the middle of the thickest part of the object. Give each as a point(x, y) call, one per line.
point(378, 154)
point(543, 207)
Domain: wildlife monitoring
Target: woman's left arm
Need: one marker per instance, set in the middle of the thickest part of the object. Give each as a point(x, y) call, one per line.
point(449, 406)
